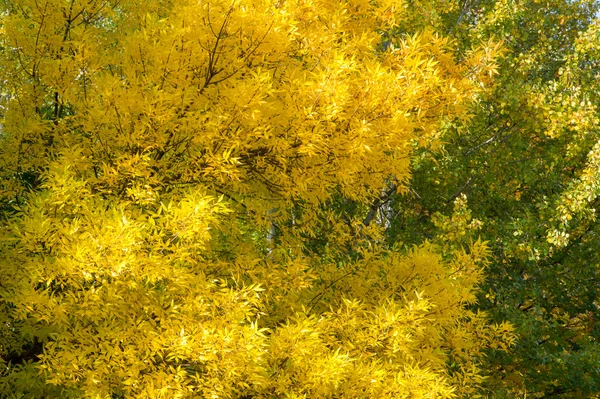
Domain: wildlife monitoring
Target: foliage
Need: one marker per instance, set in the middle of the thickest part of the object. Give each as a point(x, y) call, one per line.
point(189, 189)
point(528, 162)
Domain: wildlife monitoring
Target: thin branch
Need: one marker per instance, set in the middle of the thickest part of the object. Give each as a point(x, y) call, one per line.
point(377, 204)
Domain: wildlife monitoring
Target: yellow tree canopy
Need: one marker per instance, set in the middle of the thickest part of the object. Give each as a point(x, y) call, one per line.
point(173, 183)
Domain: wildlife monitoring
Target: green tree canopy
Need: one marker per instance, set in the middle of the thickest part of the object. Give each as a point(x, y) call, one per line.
point(528, 163)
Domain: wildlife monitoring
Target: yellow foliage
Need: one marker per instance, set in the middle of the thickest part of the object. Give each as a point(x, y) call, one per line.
point(171, 168)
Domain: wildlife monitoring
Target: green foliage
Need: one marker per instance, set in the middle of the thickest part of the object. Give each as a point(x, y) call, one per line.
point(528, 163)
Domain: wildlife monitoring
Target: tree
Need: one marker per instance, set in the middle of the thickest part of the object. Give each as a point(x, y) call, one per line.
point(173, 175)
point(527, 161)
